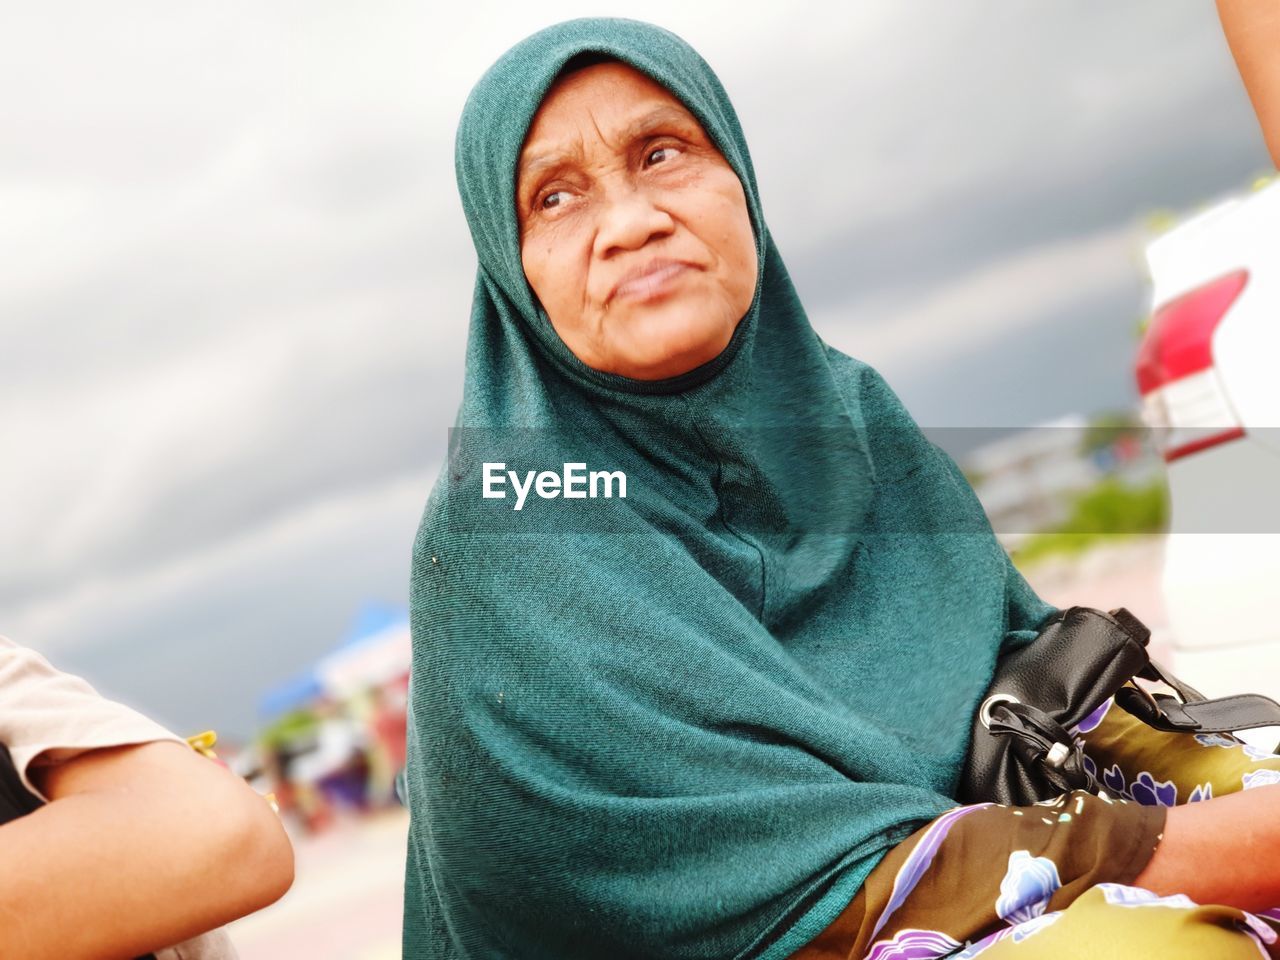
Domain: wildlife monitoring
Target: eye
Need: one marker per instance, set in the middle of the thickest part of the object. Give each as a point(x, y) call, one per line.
point(666, 149)
point(548, 200)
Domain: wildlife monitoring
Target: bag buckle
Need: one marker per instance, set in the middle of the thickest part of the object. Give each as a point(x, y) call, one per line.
point(1145, 696)
point(984, 711)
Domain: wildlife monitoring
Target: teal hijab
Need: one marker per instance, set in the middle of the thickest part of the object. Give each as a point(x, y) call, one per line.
point(687, 722)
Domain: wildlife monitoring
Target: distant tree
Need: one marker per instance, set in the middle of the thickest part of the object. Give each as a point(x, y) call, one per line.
point(1106, 429)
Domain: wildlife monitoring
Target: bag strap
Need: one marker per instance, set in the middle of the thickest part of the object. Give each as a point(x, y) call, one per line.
point(1130, 624)
point(1154, 671)
point(1191, 711)
point(1196, 714)
point(1244, 711)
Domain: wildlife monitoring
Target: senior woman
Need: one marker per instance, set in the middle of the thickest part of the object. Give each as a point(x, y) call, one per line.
point(722, 712)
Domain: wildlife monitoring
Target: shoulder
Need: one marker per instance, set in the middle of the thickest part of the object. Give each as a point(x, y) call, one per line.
point(864, 386)
point(53, 716)
point(895, 441)
point(922, 476)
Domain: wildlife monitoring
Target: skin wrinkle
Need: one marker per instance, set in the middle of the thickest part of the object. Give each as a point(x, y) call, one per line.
point(589, 147)
point(533, 167)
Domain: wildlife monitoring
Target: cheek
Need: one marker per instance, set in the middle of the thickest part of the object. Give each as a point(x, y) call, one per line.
point(743, 240)
point(555, 272)
point(727, 224)
point(736, 239)
point(544, 274)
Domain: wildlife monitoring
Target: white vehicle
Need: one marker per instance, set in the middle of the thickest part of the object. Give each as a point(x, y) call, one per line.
point(1209, 373)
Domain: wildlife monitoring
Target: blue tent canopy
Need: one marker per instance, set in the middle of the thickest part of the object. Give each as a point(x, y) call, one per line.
point(372, 618)
point(293, 693)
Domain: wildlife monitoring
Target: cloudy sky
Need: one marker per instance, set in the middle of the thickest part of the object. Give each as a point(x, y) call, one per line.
point(236, 276)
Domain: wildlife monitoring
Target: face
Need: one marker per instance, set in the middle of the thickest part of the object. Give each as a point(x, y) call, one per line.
point(634, 230)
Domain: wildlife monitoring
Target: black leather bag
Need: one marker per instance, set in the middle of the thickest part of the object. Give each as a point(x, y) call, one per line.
point(1021, 753)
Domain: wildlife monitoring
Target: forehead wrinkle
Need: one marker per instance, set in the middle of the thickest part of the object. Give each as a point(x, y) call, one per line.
point(667, 113)
point(543, 161)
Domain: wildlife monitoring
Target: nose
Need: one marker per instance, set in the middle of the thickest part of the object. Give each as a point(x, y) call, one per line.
point(630, 217)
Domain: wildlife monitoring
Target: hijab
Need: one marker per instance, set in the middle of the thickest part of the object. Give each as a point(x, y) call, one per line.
point(687, 722)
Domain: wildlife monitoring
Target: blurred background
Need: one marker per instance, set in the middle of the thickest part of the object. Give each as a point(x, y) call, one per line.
point(235, 288)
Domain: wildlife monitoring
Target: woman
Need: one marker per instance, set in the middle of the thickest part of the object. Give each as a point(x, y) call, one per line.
point(723, 715)
point(136, 842)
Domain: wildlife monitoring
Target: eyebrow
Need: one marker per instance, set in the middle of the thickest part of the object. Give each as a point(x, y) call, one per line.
point(531, 166)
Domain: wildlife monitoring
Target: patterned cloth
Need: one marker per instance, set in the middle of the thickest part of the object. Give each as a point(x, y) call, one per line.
point(1054, 880)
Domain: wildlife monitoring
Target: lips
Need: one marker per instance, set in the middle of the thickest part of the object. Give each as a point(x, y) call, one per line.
point(649, 280)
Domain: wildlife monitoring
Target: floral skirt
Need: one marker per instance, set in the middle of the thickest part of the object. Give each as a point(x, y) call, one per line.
point(1054, 880)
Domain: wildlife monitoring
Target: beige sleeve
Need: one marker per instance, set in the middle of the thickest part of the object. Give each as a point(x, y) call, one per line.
point(215, 945)
point(47, 716)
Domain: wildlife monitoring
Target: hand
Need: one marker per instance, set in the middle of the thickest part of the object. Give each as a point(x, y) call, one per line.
point(1223, 850)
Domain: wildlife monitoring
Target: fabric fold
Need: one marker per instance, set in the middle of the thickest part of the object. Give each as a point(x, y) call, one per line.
point(687, 722)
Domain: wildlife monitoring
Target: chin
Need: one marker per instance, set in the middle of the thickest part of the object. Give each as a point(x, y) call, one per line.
point(669, 342)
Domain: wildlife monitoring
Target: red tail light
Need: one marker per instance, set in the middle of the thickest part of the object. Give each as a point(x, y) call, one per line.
point(1182, 394)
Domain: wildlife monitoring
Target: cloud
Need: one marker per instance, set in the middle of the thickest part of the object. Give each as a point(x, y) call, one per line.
point(196, 640)
point(237, 277)
point(1001, 299)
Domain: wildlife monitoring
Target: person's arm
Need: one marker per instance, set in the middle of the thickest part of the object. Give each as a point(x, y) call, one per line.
point(1253, 33)
point(1223, 850)
point(140, 847)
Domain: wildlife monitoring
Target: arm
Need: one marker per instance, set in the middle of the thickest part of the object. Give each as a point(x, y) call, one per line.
point(139, 847)
point(1223, 850)
point(1253, 33)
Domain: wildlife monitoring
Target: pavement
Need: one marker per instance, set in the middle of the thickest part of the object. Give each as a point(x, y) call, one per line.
point(346, 899)
point(1123, 574)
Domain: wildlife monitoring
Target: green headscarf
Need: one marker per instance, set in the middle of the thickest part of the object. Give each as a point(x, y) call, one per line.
point(686, 723)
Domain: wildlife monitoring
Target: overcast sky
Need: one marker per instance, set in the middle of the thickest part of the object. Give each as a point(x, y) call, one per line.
point(236, 276)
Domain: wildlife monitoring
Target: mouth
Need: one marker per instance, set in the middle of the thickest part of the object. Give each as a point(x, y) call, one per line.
point(653, 281)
